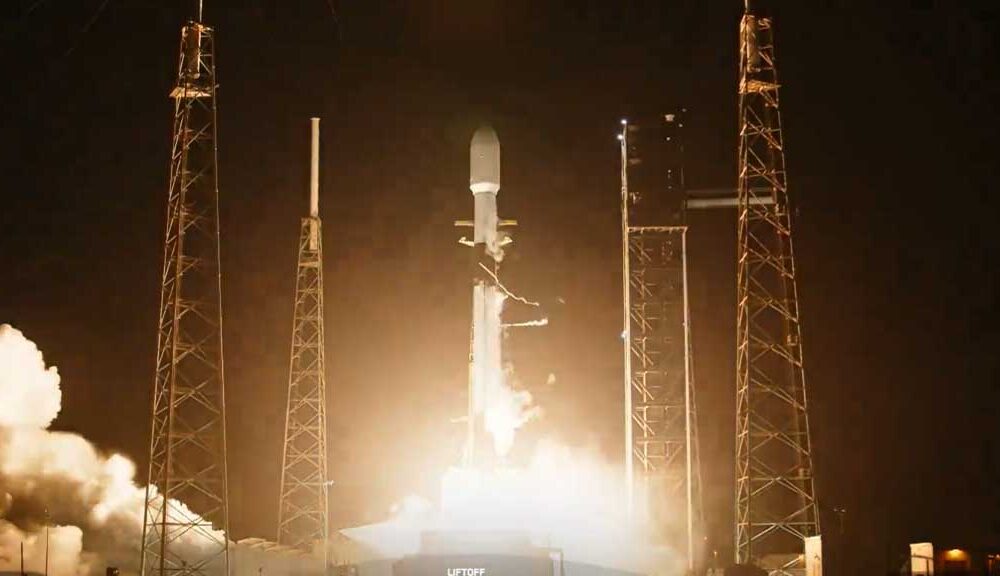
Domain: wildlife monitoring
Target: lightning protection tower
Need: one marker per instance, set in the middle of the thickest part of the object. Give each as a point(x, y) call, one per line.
point(776, 512)
point(302, 517)
point(660, 424)
point(186, 512)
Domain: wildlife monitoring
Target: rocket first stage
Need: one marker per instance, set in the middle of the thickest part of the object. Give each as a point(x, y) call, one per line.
point(486, 374)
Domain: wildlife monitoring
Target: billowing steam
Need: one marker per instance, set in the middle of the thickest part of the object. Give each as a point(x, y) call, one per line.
point(506, 409)
point(29, 392)
point(566, 500)
point(57, 479)
point(569, 501)
point(58, 482)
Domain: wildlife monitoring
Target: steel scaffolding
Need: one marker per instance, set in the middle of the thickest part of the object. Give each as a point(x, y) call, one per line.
point(186, 511)
point(775, 502)
point(302, 516)
point(661, 428)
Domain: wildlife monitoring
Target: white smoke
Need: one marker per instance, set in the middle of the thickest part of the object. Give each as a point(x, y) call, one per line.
point(65, 550)
point(29, 392)
point(90, 501)
point(509, 409)
point(504, 406)
point(565, 499)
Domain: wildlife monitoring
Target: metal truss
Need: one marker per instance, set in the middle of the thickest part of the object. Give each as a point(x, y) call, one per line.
point(186, 511)
point(661, 426)
point(302, 518)
point(775, 499)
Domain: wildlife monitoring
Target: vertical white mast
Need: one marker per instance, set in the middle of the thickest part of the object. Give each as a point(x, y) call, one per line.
point(314, 171)
point(626, 323)
point(688, 408)
point(314, 186)
point(304, 505)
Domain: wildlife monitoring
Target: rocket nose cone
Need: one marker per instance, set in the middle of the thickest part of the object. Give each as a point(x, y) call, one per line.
point(484, 161)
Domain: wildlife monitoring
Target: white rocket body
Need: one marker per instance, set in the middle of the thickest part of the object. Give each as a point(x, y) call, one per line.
point(486, 364)
point(484, 181)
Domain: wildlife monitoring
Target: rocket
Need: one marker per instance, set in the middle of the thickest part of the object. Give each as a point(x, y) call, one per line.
point(484, 182)
point(486, 361)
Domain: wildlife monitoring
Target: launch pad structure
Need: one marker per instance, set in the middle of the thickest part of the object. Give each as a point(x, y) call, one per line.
point(303, 505)
point(776, 510)
point(662, 460)
point(187, 451)
point(776, 523)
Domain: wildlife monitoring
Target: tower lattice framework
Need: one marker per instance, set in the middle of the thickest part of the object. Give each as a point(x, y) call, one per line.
point(662, 462)
point(186, 511)
point(302, 519)
point(775, 500)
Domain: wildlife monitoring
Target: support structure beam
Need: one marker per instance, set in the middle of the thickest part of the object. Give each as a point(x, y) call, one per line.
point(185, 522)
point(776, 509)
point(662, 468)
point(304, 504)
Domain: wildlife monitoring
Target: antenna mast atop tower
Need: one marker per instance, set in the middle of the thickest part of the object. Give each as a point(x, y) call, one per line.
point(187, 452)
point(302, 516)
point(776, 512)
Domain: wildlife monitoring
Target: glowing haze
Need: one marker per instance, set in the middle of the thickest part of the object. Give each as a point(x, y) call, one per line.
point(563, 499)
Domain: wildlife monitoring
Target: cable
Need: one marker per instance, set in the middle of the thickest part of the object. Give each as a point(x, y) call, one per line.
point(32, 8)
point(87, 26)
point(540, 322)
point(336, 19)
point(10, 29)
point(505, 290)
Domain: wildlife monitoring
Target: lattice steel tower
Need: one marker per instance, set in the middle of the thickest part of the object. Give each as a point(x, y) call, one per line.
point(775, 500)
point(660, 425)
point(302, 517)
point(186, 511)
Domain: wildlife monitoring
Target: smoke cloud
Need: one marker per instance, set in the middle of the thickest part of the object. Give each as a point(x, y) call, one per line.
point(88, 500)
point(29, 392)
point(58, 483)
point(564, 499)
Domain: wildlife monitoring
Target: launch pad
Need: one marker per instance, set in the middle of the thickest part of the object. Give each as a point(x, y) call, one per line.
point(477, 554)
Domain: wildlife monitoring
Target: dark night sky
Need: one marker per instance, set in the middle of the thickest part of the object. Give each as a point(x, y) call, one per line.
point(890, 112)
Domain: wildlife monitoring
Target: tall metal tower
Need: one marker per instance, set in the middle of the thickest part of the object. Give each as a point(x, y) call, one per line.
point(660, 424)
point(775, 500)
point(186, 511)
point(302, 517)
